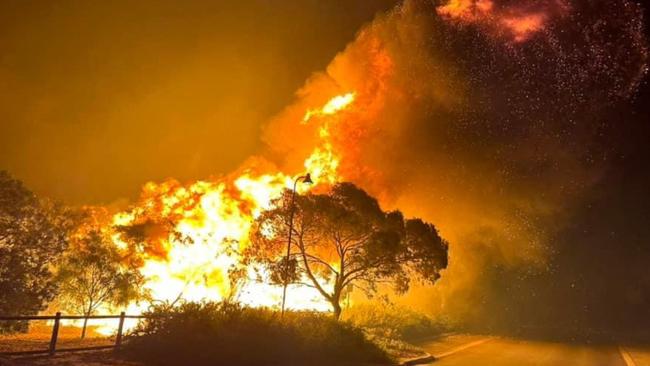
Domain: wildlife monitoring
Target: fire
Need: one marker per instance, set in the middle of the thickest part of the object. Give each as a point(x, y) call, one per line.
point(196, 232)
point(335, 105)
point(323, 163)
point(193, 234)
point(518, 21)
point(523, 26)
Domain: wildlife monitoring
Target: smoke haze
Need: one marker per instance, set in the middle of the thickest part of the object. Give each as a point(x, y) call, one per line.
point(98, 98)
point(498, 138)
point(519, 128)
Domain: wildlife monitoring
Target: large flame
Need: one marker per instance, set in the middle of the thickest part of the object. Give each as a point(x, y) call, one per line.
point(210, 224)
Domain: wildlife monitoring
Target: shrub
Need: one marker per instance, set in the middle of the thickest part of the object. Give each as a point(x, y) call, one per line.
point(231, 334)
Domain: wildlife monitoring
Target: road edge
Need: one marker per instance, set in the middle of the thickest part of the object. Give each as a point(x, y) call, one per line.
point(627, 358)
point(428, 358)
point(418, 360)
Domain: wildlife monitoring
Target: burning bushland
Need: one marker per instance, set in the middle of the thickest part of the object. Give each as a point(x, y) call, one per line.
point(488, 118)
point(495, 120)
point(203, 241)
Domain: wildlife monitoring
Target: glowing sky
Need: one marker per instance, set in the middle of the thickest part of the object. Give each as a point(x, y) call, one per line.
point(96, 98)
point(519, 128)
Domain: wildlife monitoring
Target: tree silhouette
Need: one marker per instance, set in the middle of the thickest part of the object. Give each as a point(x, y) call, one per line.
point(33, 234)
point(93, 274)
point(343, 240)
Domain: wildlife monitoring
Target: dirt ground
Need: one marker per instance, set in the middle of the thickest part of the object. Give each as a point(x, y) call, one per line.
point(38, 338)
point(90, 358)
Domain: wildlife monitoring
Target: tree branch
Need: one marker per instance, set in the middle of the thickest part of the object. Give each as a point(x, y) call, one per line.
point(320, 261)
point(311, 275)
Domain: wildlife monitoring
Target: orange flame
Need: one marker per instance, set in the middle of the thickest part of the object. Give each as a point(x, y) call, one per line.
point(518, 21)
point(211, 222)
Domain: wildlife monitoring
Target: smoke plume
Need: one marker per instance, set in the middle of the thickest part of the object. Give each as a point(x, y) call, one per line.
point(485, 117)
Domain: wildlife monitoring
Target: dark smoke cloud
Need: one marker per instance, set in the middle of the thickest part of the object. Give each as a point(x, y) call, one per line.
point(499, 141)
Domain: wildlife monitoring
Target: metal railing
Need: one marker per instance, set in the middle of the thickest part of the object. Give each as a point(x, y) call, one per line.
point(55, 332)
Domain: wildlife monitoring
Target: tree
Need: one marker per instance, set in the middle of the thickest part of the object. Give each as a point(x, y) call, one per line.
point(33, 235)
point(93, 274)
point(343, 240)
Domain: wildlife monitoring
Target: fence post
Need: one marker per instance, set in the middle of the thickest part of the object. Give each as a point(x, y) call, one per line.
point(55, 333)
point(118, 339)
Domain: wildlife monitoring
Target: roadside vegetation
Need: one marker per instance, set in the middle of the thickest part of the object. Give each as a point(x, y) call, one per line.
point(393, 327)
point(231, 334)
point(381, 317)
point(54, 258)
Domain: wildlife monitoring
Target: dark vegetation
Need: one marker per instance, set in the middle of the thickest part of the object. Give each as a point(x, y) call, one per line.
point(51, 252)
point(230, 334)
point(33, 235)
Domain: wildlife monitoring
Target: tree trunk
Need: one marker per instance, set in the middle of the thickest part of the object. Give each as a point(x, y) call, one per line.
point(87, 314)
point(335, 300)
point(336, 307)
point(83, 330)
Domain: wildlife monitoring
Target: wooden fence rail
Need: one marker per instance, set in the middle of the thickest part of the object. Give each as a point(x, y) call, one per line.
point(55, 331)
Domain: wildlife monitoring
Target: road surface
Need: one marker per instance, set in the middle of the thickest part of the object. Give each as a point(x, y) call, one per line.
point(473, 350)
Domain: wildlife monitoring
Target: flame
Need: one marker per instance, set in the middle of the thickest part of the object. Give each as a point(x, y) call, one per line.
point(334, 105)
point(517, 21)
point(194, 233)
point(211, 223)
point(323, 163)
point(522, 27)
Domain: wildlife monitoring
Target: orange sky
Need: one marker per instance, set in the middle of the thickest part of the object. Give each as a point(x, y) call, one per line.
point(96, 98)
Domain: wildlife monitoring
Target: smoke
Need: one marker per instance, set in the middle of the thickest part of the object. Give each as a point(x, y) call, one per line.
point(487, 118)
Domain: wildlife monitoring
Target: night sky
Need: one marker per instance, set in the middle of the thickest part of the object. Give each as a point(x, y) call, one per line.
point(527, 147)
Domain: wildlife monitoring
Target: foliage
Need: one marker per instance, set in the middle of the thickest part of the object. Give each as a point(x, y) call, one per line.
point(230, 334)
point(147, 235)
point(93, 274)
point(343, 240)
point(33, 234)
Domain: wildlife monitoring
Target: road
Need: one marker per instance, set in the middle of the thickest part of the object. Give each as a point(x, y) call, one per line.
point(473, 350)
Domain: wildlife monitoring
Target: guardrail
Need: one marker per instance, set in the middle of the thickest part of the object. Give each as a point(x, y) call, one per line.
point(55, 331)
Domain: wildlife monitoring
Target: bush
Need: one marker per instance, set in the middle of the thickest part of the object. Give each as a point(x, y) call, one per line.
point(230, 334)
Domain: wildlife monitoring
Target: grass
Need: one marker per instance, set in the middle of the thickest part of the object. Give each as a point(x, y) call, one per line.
point(230, 334)
point(394, 327)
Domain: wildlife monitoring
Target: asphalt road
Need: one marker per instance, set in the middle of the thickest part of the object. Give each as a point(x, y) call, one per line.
point(510, 352)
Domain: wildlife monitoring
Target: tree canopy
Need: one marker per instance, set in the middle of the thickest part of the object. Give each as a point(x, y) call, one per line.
point(33, 234)
point(94, 274)
point(342, 239)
